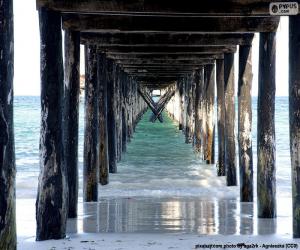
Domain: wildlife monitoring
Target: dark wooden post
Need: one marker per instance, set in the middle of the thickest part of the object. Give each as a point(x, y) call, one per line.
point(52, 197)
point(102, 112)
point(221, 116)
point(189, 109)
point(210, 99)
point(294, 102)
point(266, 170)
point(230, 157)
point(111, 116)
point(198, 110)
point(71, 115)
point(245, 123)
point(91, 137)
point(8, 239)
point(181, 105)
point(124, 112)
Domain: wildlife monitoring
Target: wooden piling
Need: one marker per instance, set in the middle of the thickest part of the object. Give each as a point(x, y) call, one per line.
point(189, 109)
point(52, 197)
point(266, 170)
point(210, 98)
point(198, 111)
point(181, 105)
point(91, 137)
point(221, 116)
point(8, 239)
point(111, 116)
point(102, 111)
point(230, 156)
point(294, 106)
point(245, 123)
point(71, 115)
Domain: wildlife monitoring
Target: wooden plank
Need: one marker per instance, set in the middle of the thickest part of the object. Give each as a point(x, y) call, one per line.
point(189, 24)
point(91, 136)
point(162, 39)
point(266, 146)
point(164, 56)
point(71, 115)
point(245, 123)
point(8, 238)
point(294, 107)
point(52, 197)
point(160, 62)
point(205, 7)
point(221, 116)
point(230, 159)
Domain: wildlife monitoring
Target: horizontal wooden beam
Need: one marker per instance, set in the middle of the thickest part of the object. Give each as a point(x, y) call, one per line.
point(160, 39)
point(157, 62)
point(165, 56)
point(105, 23)
point(159, 7)
point(168, 49)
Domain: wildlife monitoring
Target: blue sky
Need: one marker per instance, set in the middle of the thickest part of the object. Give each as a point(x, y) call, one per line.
point(27, 78)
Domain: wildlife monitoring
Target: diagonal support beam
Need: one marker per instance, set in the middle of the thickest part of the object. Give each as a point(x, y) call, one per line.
point(149, 102)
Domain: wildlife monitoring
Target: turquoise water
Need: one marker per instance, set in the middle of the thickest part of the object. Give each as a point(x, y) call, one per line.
point(157, 163)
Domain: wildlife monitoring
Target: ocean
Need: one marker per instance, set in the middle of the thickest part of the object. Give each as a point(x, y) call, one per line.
point(161, 186)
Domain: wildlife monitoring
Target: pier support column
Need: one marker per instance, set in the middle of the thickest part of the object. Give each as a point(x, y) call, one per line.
point(111, 116)
point(221, 116)
point(71, 115)
point(230, 157)
point(8, 239)
point(245, 123)
point(91, 137)
point(209, 89)
point(266, 148)
point(181, 104)
point(189, 111)
point(198, 111)
point(102, 112)
point(52, 197)
point(294, 102)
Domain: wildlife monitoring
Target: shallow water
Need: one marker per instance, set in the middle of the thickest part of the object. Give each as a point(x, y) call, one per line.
point(160, 187)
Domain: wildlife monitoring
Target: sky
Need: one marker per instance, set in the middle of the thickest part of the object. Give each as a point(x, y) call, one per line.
point(27, 49)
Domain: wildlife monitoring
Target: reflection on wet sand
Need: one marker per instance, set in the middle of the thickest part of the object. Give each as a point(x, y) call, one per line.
point(171, 215)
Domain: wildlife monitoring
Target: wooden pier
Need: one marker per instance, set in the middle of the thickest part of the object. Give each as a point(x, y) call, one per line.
point(187, 50)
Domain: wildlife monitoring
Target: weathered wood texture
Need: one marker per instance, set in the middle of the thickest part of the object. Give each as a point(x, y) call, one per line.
point(91, 129)
point(71, 116)
point(245, 123)
point(102, 112)
point(189, 109)
point(111, 116)
point(209, 88)
point(230, 156)
point(181, 104)
point(52, 197)
point(294, 104)
point(8, 239)
point(266, 148)
point(90, 23)
point(198, 111)
point(161, 39)
point(221, 116)
point(206, 7)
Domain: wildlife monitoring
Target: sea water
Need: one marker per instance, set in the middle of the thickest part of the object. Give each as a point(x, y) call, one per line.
point(161, 186)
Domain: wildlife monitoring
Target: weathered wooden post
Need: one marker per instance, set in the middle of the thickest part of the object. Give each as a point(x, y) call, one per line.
point(266, 170)
point(189, 109)
point(209, 87)
point(102, 112)
point(198, 110)
point(52, 197)
point(71, 115)
point(181, 104)
point(294, 102)
point(230, 157)
point(221, 116)
point(245, 123)
point(91, 136)
point(111, 116)
point(8, 239)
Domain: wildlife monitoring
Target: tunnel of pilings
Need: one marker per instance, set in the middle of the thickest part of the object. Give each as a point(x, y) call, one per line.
point(185, 49)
